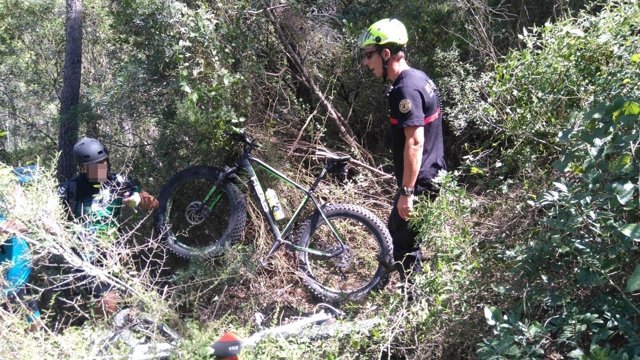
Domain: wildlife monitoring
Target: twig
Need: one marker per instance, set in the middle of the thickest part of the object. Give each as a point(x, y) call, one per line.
point(295, 142)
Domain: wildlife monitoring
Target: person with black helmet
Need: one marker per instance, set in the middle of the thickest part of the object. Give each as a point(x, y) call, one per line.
point(415, 124)
point(95, 198)
point(96, 189)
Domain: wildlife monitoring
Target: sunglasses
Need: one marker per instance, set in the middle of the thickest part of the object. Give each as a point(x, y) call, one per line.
point(369, 54)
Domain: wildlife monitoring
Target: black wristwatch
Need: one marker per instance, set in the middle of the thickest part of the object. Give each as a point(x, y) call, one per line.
point(406, 191)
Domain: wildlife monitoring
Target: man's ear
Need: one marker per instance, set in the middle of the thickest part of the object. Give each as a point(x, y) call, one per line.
point(386, 54)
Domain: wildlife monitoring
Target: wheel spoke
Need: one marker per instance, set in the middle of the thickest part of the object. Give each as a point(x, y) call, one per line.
point(354, 272)
point(192, 227)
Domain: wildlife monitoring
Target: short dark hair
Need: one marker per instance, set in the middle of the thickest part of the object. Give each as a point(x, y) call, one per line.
point(393, 48)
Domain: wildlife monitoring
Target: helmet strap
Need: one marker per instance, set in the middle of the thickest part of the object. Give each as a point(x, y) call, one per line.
point(384, 64)
point(384, 71)
point(392, 51)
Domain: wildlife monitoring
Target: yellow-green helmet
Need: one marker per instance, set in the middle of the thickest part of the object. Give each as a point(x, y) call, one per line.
point(384, 32)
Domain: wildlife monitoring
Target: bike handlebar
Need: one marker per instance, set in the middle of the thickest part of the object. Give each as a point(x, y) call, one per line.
point(248, 140)
point(244, 138)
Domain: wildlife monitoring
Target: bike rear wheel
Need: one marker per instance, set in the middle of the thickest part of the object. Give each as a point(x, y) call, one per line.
point(360, 269)
point(189, 227)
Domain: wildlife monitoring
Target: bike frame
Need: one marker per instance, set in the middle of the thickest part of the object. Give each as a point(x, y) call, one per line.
point(246, 163)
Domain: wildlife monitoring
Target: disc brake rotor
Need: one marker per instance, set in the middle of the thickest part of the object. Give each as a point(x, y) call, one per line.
point(196, 212)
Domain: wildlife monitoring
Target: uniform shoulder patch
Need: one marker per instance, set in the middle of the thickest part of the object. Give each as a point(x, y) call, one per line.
point(405, 106)
point(429, 88)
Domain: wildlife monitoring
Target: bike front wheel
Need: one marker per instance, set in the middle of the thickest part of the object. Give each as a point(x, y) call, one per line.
point(359, 269)
point(192, 222)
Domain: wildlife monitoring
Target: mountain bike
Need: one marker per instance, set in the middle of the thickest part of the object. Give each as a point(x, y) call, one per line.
point(344, 251)
point(139, 336)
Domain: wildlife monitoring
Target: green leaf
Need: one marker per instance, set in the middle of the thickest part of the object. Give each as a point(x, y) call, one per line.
point(624, 191)
point(631, 108)
point(621, 164)
point(598, 353)
point(576, 354)
point(492, 315)
point(560, 186)
point(576, 32)
point(631, 230)
point(633, 284)
point(588, 277)
point(628, 108)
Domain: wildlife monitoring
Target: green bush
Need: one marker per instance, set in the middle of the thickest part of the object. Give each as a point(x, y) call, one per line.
point(578, 269)
point(182, 57)
point(566, 68)
point(440, 321)
point(31, 43)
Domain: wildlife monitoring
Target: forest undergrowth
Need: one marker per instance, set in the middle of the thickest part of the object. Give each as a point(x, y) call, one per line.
point(530, 248)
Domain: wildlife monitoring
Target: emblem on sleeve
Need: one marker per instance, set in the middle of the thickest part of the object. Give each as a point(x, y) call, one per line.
point(405, 106)
point(429, 88)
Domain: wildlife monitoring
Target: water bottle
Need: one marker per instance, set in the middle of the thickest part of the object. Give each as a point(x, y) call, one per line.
point(274, 204)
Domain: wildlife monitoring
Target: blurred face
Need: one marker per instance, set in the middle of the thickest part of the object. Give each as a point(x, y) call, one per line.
point(373, 61)
point(96, 172)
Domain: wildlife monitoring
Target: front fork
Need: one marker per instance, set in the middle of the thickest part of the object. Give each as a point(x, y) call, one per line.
point(229, 174)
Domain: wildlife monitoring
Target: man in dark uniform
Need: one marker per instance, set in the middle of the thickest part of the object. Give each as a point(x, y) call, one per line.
point(416, 131)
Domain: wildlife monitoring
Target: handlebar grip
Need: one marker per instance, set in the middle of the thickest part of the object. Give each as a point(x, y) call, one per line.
point(236, 135)
point(243, 137)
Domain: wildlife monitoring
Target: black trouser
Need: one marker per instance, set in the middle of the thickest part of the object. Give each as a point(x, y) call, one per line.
point(406, 252)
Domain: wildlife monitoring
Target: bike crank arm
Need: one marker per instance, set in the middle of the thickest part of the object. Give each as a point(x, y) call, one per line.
point(319, 252)
point(290, 245)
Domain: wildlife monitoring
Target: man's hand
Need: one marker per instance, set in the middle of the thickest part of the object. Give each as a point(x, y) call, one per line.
point(405, 206)
point(131, 200)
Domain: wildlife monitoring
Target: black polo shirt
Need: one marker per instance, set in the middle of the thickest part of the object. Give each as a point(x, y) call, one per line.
point(414, 101)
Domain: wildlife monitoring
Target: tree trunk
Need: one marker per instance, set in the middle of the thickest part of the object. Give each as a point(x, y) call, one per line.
point(70, 96)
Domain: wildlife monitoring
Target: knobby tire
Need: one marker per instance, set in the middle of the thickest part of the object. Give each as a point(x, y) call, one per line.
point(187, 227)
point(360, 269)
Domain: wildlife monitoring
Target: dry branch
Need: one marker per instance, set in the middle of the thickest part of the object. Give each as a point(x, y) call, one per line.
point(345, 131)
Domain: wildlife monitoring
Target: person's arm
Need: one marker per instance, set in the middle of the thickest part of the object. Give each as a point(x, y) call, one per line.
point(136, 197)
point(67, 193)
point(414, 142)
